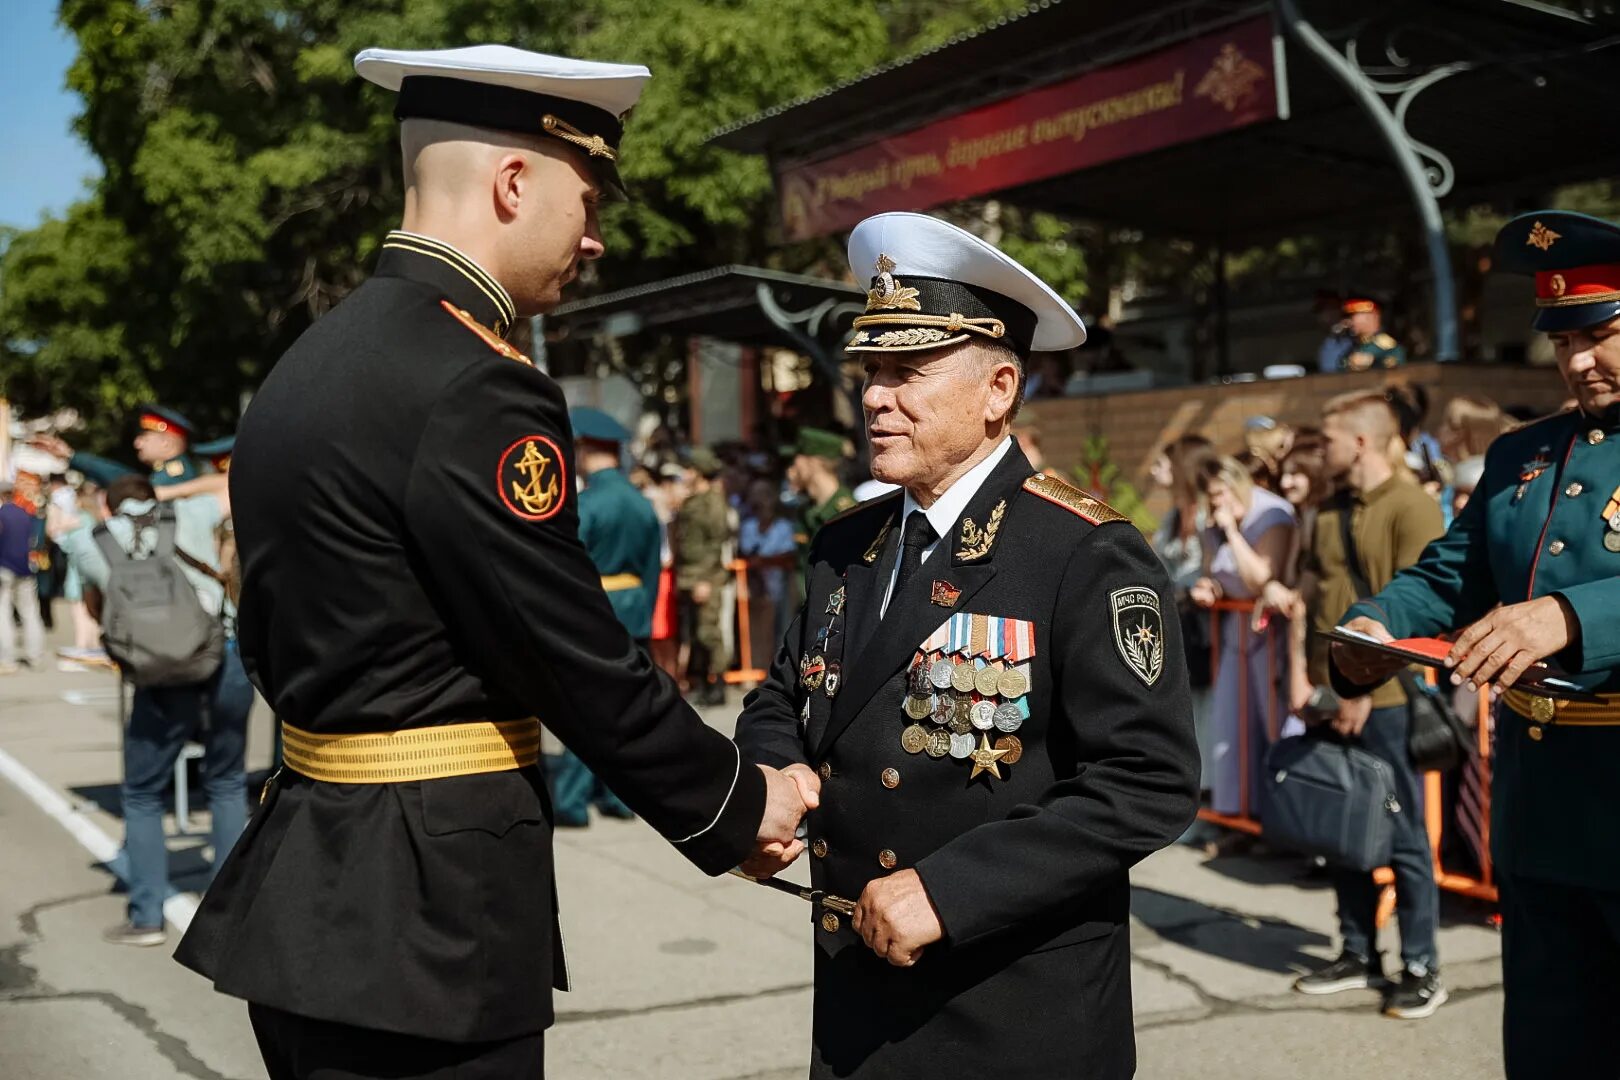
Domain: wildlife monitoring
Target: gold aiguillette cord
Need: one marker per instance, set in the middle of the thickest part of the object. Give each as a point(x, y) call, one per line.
point(814, 896)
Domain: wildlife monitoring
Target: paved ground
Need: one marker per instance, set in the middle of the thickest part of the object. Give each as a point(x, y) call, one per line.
point(678, 976)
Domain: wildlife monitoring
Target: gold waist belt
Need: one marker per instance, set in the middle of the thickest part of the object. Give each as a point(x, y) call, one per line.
point(620, 582)
point(429, 753)
point(1545, 710)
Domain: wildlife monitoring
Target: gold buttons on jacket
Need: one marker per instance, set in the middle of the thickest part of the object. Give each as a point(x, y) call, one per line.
point(887, 859)
point(1594, 436)
point(1574, 489)
point(891, 778)
point(1556, 547)
point(818, 848)
point(829, 923)
point(825, 772)
point(1535, 733)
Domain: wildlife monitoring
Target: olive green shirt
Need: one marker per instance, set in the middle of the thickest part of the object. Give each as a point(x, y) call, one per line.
point(812, 518)
point(1392, 524)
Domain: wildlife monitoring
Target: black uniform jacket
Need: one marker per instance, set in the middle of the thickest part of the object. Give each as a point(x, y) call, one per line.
point(1028, 872)
point(404, 496)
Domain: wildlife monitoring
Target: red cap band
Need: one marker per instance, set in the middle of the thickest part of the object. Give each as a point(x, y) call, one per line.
point(1578, 285)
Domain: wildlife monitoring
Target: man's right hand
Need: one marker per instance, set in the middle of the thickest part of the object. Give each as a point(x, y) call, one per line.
point(51, 445)
point(789, 794)
point(1363, 666)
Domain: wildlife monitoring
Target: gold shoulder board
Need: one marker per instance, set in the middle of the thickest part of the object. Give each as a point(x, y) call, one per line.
point(485, 334)
point(1072, 499)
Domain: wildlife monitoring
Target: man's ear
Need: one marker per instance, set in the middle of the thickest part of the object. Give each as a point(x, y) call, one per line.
point(1004, 383)
point(511, 182)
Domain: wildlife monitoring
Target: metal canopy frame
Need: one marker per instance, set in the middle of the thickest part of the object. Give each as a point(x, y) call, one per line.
point(1381, 125)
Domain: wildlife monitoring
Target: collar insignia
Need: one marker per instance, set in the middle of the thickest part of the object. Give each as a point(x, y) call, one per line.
point(977, 542)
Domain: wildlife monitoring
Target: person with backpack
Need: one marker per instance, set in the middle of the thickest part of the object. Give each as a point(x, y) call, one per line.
point(166, 619)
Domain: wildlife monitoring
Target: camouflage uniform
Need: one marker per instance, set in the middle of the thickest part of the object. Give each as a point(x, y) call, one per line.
point(704, 528)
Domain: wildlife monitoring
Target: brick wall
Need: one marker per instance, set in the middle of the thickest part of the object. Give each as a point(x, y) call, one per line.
point(1137, 424)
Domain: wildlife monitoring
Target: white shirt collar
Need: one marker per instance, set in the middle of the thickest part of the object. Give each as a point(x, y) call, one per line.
point(951, 505)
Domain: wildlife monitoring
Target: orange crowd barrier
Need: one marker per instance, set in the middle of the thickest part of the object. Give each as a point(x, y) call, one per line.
point(746, 670)
point(1473, 805)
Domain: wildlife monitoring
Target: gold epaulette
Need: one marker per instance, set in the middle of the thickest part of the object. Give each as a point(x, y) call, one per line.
point(1071, 498)
point(867, 505)
point(485, 334)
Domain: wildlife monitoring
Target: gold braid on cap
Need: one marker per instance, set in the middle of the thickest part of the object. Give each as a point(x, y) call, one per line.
point(594, 145)
point(923, 331)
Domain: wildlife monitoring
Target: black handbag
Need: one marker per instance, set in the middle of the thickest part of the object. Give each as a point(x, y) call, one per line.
point(1436, 737)
point(1326, 797)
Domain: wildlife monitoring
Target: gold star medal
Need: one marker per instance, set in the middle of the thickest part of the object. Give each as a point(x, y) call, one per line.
point(987, 759)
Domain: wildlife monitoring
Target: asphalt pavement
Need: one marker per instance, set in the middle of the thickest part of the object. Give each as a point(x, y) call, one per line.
point(677, 976)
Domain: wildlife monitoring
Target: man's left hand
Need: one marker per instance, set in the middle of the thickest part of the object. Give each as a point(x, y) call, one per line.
point(896, 918)
point(1501, 647)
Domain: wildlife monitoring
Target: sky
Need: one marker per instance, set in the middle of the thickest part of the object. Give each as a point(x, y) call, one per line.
point(44, 166)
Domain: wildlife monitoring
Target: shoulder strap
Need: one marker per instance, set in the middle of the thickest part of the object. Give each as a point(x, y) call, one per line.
point(166, 528)
point(109, 547)
point(1352, 556)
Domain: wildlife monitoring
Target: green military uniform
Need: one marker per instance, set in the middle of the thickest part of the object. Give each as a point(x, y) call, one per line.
point(1378, 351)
point(703, 526)
point(828, 446)
point(174, 471)
point(1545, 521)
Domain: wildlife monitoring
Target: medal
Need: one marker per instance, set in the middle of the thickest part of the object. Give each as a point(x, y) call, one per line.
point(811, 670)
point(964, 677)
point(942, 710)
point(835, 602)
point(1009, 718)
point(1012, 683)
point(914, 739)
point(919, 707)
point(984, 715)
point(962, 747)
point(986, 681)
point(919, 683)
point(962, 712)
point(834, 673)
point(940, 674)
point(1611, 542)
point(1014, 748)
point(985, 759)
point(821, 636)
point(939, 744)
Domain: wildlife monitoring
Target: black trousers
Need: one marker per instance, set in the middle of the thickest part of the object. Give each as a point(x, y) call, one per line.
point(1560, 958)
point(301, 1048)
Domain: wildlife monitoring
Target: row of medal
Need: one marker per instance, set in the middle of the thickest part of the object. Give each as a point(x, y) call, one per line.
point(955, 705)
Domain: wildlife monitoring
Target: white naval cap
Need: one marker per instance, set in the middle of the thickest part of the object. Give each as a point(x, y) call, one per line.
point(934, 285)
point(582, 102)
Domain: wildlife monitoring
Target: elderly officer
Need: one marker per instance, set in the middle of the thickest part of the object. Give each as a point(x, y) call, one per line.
point(1529, 572)
point(985, 681)
point(417, 602)
point(620, 531)
point(161, 443)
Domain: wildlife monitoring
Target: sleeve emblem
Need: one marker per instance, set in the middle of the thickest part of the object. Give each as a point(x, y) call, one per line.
point(530, 478)
point(1139, 631)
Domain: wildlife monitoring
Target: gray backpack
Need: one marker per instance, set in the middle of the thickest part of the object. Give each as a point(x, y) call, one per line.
point(152, 622)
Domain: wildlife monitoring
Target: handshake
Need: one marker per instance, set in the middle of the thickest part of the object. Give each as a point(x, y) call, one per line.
point(790, 793)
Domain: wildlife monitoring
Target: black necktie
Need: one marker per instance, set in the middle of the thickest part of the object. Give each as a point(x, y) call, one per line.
point(918, 535)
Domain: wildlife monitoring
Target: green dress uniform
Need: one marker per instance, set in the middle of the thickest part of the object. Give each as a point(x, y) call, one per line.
point(174, 471)
point(1545, 521)
point(703, 526)
point(1378, 351)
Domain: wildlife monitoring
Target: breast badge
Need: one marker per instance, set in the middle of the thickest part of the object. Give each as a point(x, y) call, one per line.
point(967, 682)
point(1138, 631)
point(530, 478)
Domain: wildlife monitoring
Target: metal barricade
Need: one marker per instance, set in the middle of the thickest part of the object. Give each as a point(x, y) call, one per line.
point(746, 671)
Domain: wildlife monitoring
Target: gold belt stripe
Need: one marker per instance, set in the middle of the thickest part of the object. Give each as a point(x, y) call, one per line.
point(430, 753)
point(620, 582)
point(1544, 710)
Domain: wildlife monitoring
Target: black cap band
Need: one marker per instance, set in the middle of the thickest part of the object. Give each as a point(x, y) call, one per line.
point(505, 108)
point(931, 312)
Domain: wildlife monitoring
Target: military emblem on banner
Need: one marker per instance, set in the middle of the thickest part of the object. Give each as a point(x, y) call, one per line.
point(1139, 631)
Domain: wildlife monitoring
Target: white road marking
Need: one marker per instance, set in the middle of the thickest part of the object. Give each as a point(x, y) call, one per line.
point(178, 909)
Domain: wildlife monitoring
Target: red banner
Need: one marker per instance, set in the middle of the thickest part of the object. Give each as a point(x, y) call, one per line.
point(1202, 87)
